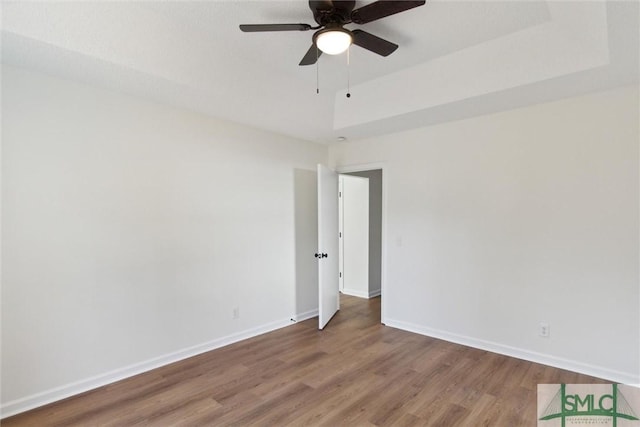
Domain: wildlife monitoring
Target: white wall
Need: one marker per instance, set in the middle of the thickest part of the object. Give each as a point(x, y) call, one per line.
point(131, 230)
point(497, 223)
point(354, 231)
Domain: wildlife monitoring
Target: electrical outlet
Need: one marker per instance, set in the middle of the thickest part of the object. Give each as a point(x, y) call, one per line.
point(544, 329)
point(236, 312)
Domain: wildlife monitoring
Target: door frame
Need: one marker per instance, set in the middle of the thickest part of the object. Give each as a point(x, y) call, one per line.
point(362, 167)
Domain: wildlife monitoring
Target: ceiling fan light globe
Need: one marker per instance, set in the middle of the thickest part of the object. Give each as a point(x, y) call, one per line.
point(333, 42)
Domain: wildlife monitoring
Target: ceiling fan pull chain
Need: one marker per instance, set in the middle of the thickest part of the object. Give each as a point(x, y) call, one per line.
point(348, 72)
point(317, 72)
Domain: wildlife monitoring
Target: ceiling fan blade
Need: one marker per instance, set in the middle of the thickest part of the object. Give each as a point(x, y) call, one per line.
point(373, 43)
point(382, 8)
point(311, 56)
point(254, 28)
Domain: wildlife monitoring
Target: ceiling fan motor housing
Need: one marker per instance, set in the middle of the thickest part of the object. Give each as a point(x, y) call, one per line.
point(332, 12)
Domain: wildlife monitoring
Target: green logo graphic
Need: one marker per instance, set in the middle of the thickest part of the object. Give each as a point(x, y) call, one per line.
point(564, 406)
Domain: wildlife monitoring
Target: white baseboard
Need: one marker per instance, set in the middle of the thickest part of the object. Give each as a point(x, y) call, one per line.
point(39, 399)
point(361, 294)
point(306, 315)
point(544, 359)
point(355, 293)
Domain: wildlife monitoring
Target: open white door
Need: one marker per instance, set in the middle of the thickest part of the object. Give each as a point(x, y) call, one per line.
point(329, 298)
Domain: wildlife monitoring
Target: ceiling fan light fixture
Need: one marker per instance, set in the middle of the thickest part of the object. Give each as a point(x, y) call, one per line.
point(333, 40)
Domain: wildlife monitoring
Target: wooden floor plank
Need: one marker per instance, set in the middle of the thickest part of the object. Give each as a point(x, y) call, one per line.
point(355, 372)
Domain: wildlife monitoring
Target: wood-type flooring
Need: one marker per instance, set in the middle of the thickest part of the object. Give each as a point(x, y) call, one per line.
point(356, 372)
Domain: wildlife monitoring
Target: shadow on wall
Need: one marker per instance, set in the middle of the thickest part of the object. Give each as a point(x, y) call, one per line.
point(306, 242)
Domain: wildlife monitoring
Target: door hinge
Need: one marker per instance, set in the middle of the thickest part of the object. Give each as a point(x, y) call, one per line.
point(340, 234)
point(339, 193)
point(341, 274)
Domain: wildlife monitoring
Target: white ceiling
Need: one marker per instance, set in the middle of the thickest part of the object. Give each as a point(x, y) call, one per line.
point(456, 59)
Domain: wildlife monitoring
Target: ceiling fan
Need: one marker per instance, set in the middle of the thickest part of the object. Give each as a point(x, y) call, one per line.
point(332, 38)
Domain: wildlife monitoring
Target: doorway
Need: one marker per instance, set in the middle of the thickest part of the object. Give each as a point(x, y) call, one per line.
point(375, 282)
